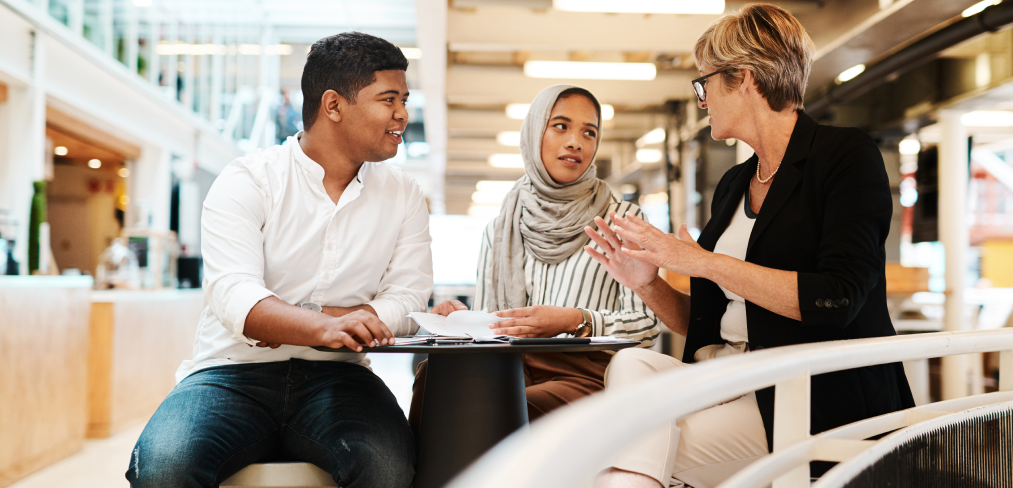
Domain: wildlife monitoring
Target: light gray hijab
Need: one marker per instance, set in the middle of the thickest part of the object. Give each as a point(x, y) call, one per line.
point(539, 216)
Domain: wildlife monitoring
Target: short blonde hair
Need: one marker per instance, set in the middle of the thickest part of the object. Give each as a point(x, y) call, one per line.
point(769, 42)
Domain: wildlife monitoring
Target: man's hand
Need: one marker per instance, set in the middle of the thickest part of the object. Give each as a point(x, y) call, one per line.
point(448, 307)
point(355, 329)
point(537, 321)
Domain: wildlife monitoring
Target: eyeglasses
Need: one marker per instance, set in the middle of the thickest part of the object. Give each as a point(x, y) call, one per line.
point(699, 83)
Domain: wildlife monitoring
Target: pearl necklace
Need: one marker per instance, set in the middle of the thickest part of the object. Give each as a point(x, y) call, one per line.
point(764, 181)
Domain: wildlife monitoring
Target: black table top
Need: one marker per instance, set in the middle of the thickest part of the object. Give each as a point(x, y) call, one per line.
point(488, 348)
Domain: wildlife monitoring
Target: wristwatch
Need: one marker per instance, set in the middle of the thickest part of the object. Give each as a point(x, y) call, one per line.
point(584, 328)
point(312, 306)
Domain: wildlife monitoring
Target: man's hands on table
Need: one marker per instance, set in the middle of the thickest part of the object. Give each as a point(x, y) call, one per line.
point(281, 323)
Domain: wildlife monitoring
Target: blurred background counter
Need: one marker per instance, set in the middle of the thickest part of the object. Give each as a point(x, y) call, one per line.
point(137, 340)
point(43, 370)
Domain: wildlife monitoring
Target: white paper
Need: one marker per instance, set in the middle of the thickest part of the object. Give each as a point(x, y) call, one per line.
point(610, 339)
point(459, 323)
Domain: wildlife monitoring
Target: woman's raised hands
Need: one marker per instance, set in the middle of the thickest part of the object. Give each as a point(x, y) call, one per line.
point(645, 242)
point(631, 273)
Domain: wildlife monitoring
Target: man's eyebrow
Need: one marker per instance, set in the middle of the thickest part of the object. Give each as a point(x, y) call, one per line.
point(392, 92)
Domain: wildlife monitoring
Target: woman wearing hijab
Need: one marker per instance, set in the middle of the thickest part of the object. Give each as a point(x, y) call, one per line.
point(532, 267)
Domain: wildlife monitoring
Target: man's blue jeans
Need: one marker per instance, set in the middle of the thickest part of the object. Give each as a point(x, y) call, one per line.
point(336, 415)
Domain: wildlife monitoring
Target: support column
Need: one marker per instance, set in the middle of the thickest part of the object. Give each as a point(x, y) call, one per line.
point(25, 161)
point(130, 43)
point(432, 39)
point(217, 76)
point(154, 37)
point(953, 177)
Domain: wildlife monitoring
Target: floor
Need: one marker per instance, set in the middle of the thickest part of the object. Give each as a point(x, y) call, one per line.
point(102, 462)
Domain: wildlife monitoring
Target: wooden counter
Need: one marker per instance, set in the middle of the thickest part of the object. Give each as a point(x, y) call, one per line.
point(137, 341)
point(43, 364)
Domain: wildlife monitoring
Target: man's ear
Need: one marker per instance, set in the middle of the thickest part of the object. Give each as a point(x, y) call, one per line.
point(333, 105)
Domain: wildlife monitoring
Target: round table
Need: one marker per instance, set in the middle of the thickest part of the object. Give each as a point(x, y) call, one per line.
point(474, 398)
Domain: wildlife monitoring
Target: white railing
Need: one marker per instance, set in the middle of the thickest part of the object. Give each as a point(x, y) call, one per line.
point(568, 447)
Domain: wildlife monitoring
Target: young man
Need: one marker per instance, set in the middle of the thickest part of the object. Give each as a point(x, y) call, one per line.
point(306, 227)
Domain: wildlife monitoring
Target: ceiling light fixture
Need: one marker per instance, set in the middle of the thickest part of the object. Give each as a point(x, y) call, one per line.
point(642, 6)
point(978, 7)
point(580, 70)
point(655, 136)
point(607, 111)
point(60, 151)
point(517, 111)
point(509, 138)
point(506, 161)
point(850, 73)
point(94, 164)
point(123, 172)
point(412, 52)
point(987, 118)
point(910, 146)
point(649, 155)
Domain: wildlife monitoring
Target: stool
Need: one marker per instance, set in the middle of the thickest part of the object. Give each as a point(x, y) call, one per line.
point(279, 475)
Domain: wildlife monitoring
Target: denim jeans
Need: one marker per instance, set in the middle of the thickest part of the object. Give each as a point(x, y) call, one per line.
point(336, 415)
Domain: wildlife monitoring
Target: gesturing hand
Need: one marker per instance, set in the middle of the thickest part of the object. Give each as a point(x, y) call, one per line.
point(679, 254)
point(355, 329)
point(629, 272)
point(448, 307)
point(537, 321)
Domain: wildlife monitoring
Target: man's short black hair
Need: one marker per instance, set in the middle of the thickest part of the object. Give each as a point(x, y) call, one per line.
point(345, 63)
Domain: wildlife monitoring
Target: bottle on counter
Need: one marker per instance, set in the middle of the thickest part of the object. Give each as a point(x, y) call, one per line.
point(117, 267)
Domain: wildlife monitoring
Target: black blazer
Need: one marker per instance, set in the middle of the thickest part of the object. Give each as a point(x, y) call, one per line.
point(826, 216)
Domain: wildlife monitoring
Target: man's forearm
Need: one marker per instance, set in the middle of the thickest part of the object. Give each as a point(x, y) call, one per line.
point(342, 311)
point(273, 321)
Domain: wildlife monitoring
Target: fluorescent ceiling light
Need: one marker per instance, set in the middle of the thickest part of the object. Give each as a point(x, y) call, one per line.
point(506, 161)
point(978, 7)
point(642, 6)
point(484, 211)
point(580, 70)
point(850, 73)
point(487, 198)
point(987, 118)
point(60, 151)
point(94, 163)
point(517, 111)
point(649, 155)
point(412, 52)
point(607, 111)
point(509, 138)
point(123, 172)
point(496, 186)
point(910, 146)
point(656, 136)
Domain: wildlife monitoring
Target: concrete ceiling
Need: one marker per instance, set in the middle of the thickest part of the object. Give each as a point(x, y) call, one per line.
point(488, 41)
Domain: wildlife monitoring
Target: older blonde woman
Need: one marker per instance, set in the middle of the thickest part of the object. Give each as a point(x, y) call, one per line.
point(794, 253)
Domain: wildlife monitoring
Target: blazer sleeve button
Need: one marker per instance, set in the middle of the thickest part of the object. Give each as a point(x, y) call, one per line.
point(844, 302)
point(828, 303)
point(819, 302)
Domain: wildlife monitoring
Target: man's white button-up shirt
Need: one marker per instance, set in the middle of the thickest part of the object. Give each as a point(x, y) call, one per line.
point(270, 229)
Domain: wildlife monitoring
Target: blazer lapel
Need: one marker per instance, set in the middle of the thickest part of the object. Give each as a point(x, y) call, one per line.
point(726, 208)
point(788, 176)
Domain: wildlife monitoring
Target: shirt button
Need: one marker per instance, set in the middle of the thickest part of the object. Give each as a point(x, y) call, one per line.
point(819, 302)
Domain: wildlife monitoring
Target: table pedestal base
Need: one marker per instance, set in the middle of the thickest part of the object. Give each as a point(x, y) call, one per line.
point(472, 401)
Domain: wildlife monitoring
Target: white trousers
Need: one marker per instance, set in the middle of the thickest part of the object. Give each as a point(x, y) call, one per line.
point(701, 449)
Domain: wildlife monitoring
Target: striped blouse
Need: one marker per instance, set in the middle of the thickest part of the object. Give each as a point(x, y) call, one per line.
point(580, 282)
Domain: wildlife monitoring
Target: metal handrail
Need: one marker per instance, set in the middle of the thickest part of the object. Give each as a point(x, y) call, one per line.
point(568, 447)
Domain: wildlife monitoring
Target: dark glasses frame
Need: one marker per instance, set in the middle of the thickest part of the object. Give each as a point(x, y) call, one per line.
point(698, 86)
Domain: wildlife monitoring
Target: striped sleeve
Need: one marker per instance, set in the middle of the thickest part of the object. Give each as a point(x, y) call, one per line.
point(484, 255)
point(624, 314)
